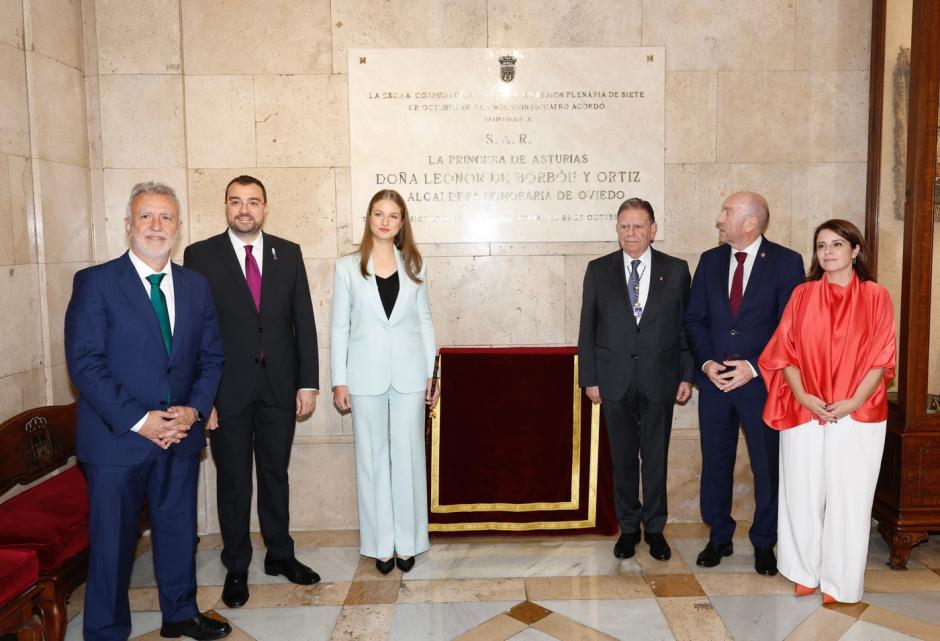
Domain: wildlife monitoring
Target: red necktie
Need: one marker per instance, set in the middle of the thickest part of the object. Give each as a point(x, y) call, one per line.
point(253, 276)
point(737, 283)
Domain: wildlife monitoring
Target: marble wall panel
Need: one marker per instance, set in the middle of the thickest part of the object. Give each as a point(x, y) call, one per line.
point(406, 23)
point(575, 266)
point(822, 191)
point(691, 116)
point(14, 117)
point(320, 279)
point(345, 243)
point(58, 110)
point(302, 121)
point(66, 212)
point(564, 23)
point(142, 121)
point(93, 121)
point(20, 392)
point(792, 116)
point(57, 29)
point(326, 420)
point(89, 38)
point(11, 23)
point(117, 187)
point(598, 248)
point(256, 37)
point(833, 34)
point(22, 211)
point(301, 205)
point(323, 488)
point(63, 392)
point(139, 36)
point(6, 212)
point(22, 327)
point(59, 277)
point(220, 121)
point(498, 300)
point(735, 34)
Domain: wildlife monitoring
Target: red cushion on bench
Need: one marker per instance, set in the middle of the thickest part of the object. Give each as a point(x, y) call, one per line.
point(19, 570)
point(50, 518)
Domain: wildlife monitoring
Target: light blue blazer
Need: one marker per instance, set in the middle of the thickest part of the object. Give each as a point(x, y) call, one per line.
point(369, 352)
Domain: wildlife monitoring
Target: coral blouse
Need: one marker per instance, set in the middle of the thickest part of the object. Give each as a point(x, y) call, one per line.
point(834, 335)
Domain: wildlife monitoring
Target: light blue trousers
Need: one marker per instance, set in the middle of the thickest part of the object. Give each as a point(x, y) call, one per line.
point(390, 473)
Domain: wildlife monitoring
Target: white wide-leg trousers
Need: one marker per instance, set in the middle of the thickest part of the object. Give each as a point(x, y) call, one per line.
point(388, 430)
point(827, 483)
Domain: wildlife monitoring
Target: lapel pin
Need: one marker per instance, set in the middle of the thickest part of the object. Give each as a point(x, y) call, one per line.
point(660, 279)
point(273, 253)
point(763, 254)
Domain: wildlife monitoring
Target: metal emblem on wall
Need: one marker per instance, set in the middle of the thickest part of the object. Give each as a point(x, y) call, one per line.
point(507, 68)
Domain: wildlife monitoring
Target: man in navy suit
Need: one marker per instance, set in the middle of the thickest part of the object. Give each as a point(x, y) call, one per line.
point(143, 349)
point(738, 295)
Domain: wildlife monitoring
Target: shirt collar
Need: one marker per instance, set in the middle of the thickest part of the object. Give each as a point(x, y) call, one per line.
point(257, 243)
point(751, 249)
point(144, 270)
point(645, 258)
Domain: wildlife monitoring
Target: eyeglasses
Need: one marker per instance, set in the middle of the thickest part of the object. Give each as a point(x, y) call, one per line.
point(236, 203)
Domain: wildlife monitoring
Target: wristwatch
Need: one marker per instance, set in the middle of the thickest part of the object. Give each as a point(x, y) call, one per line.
point(197, 414)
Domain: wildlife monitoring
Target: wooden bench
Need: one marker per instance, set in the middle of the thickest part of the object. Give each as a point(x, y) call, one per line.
point(20, 612)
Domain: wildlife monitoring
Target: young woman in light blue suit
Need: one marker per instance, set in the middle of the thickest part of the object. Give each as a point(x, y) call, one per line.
point(382, 354)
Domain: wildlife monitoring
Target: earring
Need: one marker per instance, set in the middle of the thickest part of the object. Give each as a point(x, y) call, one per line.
point(853, 260)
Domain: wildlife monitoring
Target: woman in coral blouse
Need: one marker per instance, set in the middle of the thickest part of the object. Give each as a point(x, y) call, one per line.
point(826, 369)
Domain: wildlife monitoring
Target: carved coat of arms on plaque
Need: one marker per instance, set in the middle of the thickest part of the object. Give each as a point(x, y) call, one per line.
point(507, 68)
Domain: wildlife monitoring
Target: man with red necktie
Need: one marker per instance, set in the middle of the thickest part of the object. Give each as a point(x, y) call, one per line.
point(739, 291)
point(270, 377)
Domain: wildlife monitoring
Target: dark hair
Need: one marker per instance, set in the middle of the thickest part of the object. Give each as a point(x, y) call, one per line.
point(638, 203)
point(404, 239)
point(247, 180)
point(847, 230)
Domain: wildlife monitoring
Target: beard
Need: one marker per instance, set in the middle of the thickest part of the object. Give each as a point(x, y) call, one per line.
point(146, 252)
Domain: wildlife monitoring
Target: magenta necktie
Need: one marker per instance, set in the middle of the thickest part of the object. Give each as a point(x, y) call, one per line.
point(253, 276)
point(737, 283)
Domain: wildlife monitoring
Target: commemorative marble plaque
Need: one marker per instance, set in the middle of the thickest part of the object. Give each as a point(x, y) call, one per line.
point(508, 145)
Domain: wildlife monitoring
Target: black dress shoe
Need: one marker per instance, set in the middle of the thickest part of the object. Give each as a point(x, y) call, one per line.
point(291, 569)
point(200, 627)
point(405, 564)
point(385, 566)
point(765, 562)
point(659, 549)
point(235, 592)
point(711, 555)
point(626, 545)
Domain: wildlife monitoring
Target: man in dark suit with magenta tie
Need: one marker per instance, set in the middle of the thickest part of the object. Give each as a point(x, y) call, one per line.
point(270, 378)
point(633, 359)
point(738, 295)
point(143, 349)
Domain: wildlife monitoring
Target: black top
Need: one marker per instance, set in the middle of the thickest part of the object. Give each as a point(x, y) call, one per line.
point(388, 292)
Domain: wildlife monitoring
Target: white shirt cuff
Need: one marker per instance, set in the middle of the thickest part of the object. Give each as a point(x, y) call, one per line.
point(139, 424)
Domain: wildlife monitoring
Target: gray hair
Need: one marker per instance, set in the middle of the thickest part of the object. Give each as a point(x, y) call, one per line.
point(151, 187)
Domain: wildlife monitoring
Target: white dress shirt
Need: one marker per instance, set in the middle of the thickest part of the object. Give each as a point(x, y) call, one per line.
point(258, 250)
point(644, 271)
point(166, 286)
point(751, 251)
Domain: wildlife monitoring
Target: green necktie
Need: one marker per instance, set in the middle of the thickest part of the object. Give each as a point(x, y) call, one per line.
point(158, 300)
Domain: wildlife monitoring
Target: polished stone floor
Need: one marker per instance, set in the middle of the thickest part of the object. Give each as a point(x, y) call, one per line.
point(532, 589)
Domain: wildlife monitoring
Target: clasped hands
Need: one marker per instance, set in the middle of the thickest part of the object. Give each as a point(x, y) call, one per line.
point(168, 427)
point(728, 375)
point(827, 412)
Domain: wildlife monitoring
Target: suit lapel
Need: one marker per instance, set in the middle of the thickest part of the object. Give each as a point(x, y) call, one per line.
point(372, 287)
point(270, 269)
point(137, 294)
point(618, 275)
point(757, 273)
point(405, 285)
point(229, 261)
point(181, 296)
point(656, 284)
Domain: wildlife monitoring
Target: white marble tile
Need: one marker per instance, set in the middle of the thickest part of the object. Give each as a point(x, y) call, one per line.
point(220, 121)
point(763, 618)
point(920, 605)
point(57, 29)
point(865, 631)
point(22, 329)
point(285, 624)
point(441, 621)
point(331, 563)
point(531, 634)
point(14, 117)
point(634, 619)
point(142, 121)
point(11, 23)
point(57, 103)
point(127, 31)
point(141, 623)
point(550, 558)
